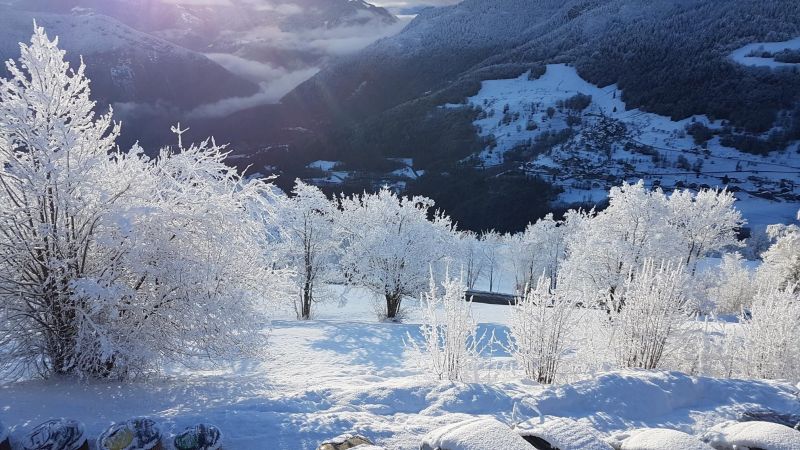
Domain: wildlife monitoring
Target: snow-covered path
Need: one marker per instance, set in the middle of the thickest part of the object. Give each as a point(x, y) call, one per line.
point(347, 372)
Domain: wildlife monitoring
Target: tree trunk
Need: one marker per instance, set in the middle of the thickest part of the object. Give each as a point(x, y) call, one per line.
point(305, 313)
point(393, 305)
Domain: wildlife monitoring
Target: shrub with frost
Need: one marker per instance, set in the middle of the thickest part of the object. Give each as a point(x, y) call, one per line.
point(781, 266)
point(648, 324)
point(542, 327)
point(734, 286)
point(770, 335)
point(449, 347)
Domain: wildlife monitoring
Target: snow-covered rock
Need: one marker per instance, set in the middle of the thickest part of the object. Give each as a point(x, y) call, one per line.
point(753, 435)
point(474, 434)
point(199, 437)
point(660, 439)
point(135, 434)
point(769, 415)
point(58, 434)
point(347, 441)
point(563, 434)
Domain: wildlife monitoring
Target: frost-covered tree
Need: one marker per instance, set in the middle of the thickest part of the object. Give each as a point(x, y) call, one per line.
point(781, 266)
point(390, 245)
point(471, 259)
point(450, 345)
point(609, 245)
point(538, 251)
point(734, 286)
point(311, 243)
point(541, 329)
point(705, 222)
point(492, 247)
point(646, 328)
point(111, 263)
point(640, 224)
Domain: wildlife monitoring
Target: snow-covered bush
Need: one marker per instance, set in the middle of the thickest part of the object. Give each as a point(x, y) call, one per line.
point(648, 320)
point(770, 339)
point(113, 263)
point(390, 245)
point(311, 243)
point(449, 347)
point(734, 286)
point(541, 329)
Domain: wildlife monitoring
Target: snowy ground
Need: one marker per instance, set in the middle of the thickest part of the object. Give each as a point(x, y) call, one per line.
point(741, 55)
point(515, 114)
point(347, 372)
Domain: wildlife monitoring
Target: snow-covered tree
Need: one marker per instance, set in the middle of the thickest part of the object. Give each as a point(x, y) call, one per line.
point(111, 263)
point(609, 245)
point(538, 251)
point(450, 344)
point(311, 243)
point(492, 247)
point(705, 222)
point(390, 245)
point(781, 266)
point(541, 329)
point(470, 260)
point(641, 224)
point(734, 286)
point(655, 306)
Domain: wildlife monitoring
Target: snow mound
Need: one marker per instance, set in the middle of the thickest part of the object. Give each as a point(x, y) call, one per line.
point(662, 439)
point(475, 434)
point(3, 432)
point(744, 435)
point(633, 399)
point(564, 434)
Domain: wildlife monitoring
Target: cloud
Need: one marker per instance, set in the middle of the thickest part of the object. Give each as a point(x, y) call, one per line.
point(255, 71)
point(315, 46)
point(276, 81)
point(269, 92)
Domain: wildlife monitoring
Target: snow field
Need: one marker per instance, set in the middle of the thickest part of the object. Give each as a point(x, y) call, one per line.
point(334, 375)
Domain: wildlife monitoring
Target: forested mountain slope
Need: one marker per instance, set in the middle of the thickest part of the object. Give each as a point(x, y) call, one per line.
point(671, 58)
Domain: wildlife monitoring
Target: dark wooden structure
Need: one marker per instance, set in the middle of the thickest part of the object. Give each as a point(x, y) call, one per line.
point(491, 298)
